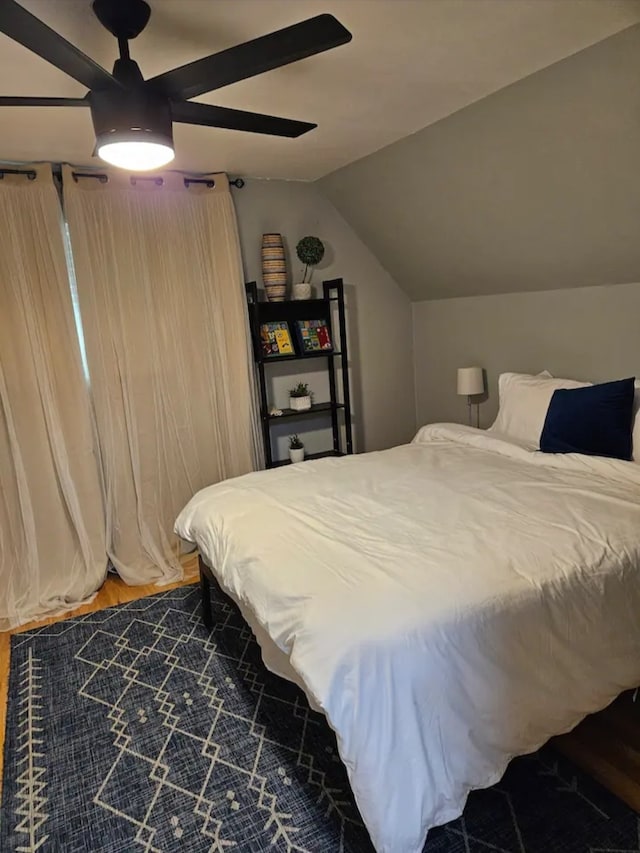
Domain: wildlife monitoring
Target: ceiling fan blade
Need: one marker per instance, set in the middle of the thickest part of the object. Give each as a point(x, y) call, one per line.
point(35, 35)
point(253, 57)
point(189, 112)
point(42, 102)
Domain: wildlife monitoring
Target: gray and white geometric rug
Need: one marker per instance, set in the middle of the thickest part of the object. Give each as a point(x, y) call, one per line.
point(134, 729)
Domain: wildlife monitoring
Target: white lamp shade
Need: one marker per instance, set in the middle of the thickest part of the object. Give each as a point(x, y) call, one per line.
point(470, 381)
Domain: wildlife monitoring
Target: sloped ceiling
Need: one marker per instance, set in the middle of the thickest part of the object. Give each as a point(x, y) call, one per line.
point(535, 187)
point(410, 63)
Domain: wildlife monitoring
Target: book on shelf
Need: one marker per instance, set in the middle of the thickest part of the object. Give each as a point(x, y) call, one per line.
point(275, 339)
point(314, 336)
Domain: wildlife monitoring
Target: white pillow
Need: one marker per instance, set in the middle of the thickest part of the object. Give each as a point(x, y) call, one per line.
point(635, 435)
point(524, 401)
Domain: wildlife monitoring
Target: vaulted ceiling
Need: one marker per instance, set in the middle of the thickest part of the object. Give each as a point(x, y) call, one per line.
point(535, 187)
point(411, 62)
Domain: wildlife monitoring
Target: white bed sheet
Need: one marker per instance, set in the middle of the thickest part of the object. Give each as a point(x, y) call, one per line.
point(448, 604)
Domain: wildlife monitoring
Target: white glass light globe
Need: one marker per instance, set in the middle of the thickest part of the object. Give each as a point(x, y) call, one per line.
point(136, 156)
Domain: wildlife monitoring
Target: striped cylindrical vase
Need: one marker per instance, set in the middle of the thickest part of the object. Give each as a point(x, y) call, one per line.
point(274, 267)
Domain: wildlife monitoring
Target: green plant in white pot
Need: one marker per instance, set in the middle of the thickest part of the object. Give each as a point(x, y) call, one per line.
point(300, 397)
point(310, 251)
point(296, 449)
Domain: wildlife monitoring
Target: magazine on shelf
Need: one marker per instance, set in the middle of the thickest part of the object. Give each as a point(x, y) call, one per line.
point(275, 339)
point(314, 336)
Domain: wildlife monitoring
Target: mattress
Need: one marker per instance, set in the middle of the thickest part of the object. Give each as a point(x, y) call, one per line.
point(447, 604)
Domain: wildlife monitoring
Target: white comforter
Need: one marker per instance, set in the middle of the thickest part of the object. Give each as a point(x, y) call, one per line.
point(448, 604)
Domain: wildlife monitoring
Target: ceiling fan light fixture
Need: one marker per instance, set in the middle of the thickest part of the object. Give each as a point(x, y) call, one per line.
point(135, 150)
point(133, 131)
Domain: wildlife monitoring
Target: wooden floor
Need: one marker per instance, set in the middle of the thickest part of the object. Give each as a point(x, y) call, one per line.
point(113, 591)
point(605, 745)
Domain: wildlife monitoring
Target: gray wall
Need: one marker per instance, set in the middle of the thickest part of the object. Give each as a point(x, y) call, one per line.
point(379, 313)
point(589, 333)
point(535, 186)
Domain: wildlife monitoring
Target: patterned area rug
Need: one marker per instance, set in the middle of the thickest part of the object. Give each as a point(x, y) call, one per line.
point(134, 729)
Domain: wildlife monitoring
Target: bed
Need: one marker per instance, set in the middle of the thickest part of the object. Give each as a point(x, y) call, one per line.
point(447, 604)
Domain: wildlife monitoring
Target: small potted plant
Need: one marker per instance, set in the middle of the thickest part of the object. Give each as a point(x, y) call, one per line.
point(296, 449)
point(310, 251)
point(300, 397)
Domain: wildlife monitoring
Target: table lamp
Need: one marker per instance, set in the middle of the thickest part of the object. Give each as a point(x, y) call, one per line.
point(471, 383)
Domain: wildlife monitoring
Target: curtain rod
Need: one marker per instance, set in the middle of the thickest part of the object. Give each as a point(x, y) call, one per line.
point(157, 179)
point(30, 174)
point(103, 178)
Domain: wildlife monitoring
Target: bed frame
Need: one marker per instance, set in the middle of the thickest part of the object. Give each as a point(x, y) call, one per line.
point(206, 579)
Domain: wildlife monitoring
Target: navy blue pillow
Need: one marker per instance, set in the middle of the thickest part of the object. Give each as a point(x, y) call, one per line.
point(596, 420)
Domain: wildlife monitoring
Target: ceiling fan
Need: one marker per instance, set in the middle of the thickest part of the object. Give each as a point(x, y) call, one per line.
point(132, 117)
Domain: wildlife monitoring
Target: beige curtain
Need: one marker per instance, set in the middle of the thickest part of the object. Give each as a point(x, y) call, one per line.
point(52, 549)
point(161, 294)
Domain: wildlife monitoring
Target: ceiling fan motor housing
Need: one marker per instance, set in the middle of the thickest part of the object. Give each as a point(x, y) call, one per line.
point(125, 19)
point(117, 116)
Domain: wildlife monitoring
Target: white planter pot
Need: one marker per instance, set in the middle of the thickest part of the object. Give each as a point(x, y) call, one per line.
point(300, 404)
point(296, 455)
point(302, 290)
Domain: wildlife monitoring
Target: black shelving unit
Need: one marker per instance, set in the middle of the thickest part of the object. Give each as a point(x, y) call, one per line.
point(336, 360)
